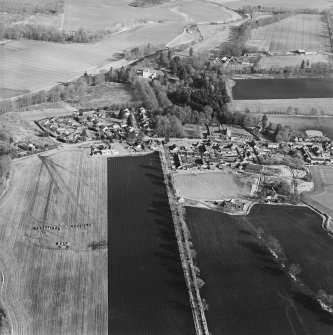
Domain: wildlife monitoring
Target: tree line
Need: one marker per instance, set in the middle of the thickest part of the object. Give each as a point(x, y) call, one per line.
point(242, 33)
point(50, 34)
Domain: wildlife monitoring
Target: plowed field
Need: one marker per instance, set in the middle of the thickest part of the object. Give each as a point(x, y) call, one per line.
point(246, 291)
point(147, 291)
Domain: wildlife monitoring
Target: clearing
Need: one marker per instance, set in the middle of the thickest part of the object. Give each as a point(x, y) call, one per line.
point(213, 185)
point(304, 31)
point(49, 289)
point(147, 290)
point(245, 289)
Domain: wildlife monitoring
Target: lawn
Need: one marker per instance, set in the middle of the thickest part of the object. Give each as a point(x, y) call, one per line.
point(246, 291)
point(303, 31)
point(212, 185)
point(256, 89)
point(147, 290)
point(48, 290)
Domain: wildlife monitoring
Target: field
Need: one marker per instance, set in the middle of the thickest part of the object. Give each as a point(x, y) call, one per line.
point(302, 123)
point(278, 62)
point(46, 289)
point(246, 291)
point(303, 31)
point(147, 291)
point(281, 105)
point(295, 4)
point(34, 65)
point(87, 15)
point(256, 89)
point(322, 195)
point(313, 247)
point(212, 186)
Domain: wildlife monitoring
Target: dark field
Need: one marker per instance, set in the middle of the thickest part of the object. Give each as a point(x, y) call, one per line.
point(302, 123)
point(246, 291)
point(147, 290)
point(304, 241)
point(254, 89)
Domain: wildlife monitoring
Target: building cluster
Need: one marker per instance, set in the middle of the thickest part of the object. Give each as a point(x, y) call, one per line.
point(100, 124)
point(231, 205)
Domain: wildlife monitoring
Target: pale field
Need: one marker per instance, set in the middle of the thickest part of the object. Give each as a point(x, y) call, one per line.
point(102, 15)
point(35, 65)
point(47, 290)
point(281, 105)
point(288, 4)
point(184, 38)
point(268, 62)
point(303, 31)
point(212, 185)
point(322, 195)
point(205, 12)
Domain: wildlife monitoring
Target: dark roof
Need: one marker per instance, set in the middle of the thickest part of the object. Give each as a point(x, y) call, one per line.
point(254, 168)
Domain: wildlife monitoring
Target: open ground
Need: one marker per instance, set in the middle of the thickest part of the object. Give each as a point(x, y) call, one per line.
point(147, 290)
point(213, 185)
point(245, 289)
point(47, 289)
point(304, 31)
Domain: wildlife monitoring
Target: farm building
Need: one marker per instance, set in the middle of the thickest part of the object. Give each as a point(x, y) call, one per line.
point(232, 205)
point(253, 168)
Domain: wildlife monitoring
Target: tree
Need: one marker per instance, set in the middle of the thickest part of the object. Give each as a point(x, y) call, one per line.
point(264, 122)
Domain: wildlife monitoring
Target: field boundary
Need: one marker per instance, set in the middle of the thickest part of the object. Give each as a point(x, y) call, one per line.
point(326, 218)
point(185, 253)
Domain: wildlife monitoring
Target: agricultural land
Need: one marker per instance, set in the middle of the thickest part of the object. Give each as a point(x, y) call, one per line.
point(54, 221)
point(44, 64)
point(303, 31)
point(147, 291)
point(262, 89)
point(261, 298)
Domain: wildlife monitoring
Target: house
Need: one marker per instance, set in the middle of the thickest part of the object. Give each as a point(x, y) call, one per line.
point(232, 205)
point(272, 145)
